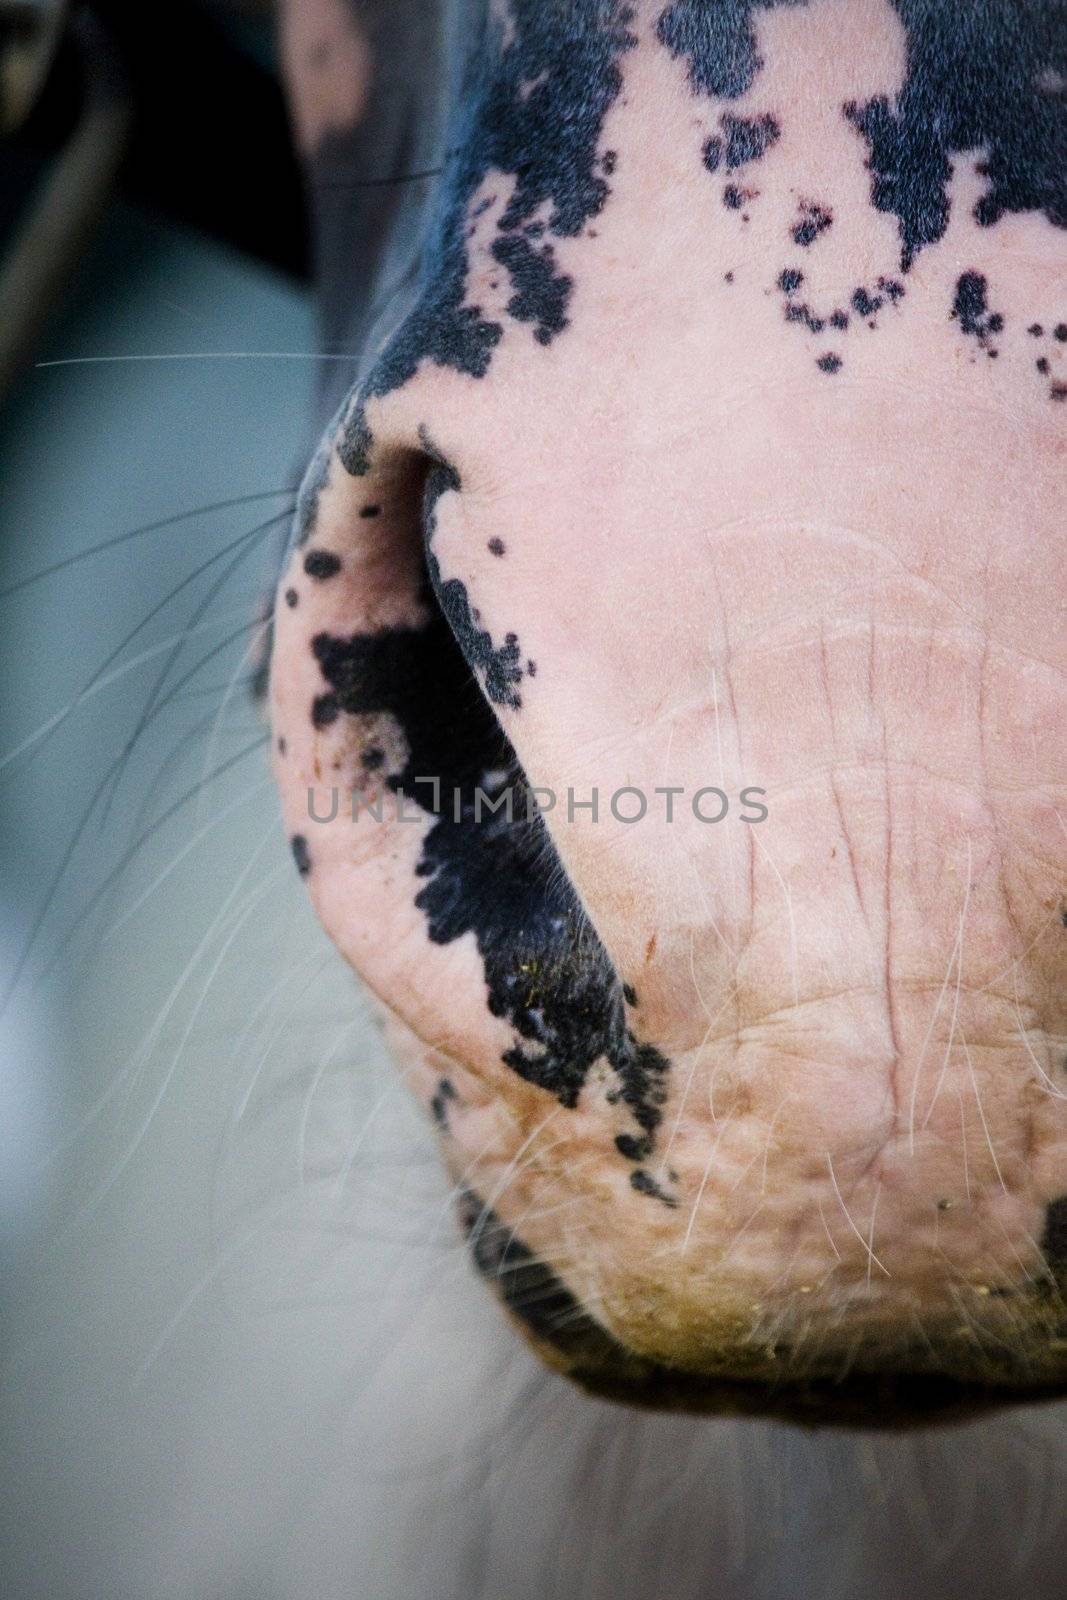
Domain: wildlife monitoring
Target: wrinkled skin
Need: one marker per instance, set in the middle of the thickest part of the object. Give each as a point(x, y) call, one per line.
point(755, 479)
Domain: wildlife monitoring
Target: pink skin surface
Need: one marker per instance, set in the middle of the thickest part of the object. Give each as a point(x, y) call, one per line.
point(327, 64)
point(732, 567)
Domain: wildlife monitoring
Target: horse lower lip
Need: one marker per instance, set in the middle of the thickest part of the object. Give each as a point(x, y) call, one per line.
point(876, 1402)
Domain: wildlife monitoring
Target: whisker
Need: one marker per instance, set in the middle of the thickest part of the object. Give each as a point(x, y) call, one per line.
point(550, 1186)
point(91, 1115)
point(187, 737)
point(118, 673)
point(223, 1257)
point(956, 999)
point(871, 1257)
point(315, 960)
point(243, 547)
point(826, 1230)
point(218, 649)
point(99, 679)
point(422, 175)
point(391, 290)
point(215, 689)
point(139, 533)
point(203, 355)
point(71, 849)
point(129, 855)
point(787, 893)
point(981, 1112)
point(937, 1009)
point(1056, 1093)
point(722, 780)
point(328, 1058)
point(128, 914)
point(963, 1146)
point(252, 902)
point(350, 1158)
point(258, 623)
point(739, 1235)
point(732, 995)
point(516, 1166)
point(142, 899)
point(713, 1152)
point(212, 739)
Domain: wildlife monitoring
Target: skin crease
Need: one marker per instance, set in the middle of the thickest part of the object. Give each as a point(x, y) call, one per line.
point(743, 545)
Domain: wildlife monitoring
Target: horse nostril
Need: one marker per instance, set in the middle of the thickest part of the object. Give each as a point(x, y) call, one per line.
point(498, 667)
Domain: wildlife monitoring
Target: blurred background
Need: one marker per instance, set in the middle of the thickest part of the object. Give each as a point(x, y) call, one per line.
point(179, 1202)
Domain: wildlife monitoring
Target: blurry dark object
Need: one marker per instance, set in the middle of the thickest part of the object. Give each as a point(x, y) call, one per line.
point(211, 143)
point(61, 213)
point(176, 100)
point(29, 34)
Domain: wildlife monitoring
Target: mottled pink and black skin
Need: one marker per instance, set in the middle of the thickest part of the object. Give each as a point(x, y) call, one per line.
point(710, 430)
